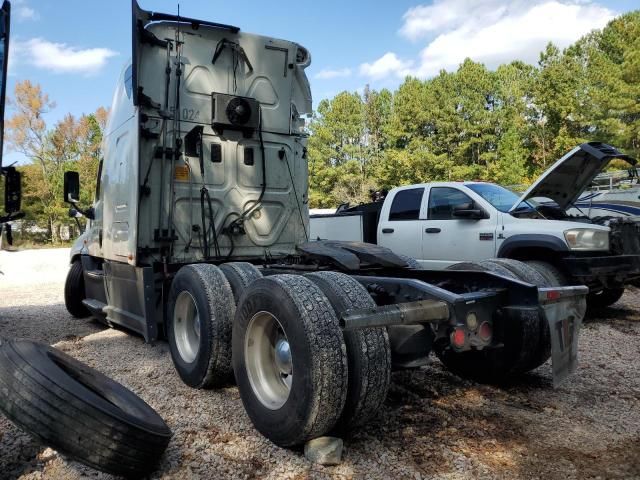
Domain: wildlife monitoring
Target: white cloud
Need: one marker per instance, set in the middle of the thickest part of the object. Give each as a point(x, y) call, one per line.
point(26, 13)
point(22, 11)
point(387, 65)
point(328, 73)
point(494, 32)
point(60, 57)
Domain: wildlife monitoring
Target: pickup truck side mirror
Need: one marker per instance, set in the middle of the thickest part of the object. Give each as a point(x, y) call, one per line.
point(12, 190)
point(71, 187)
point(469, 212)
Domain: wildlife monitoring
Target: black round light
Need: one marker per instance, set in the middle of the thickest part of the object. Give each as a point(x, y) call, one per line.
point(238, 111)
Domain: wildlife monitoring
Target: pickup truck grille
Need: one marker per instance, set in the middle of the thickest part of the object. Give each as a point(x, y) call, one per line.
point(625, 236)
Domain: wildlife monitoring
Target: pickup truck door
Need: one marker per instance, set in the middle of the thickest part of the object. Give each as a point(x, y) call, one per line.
point(447, 239)
point(400, 225)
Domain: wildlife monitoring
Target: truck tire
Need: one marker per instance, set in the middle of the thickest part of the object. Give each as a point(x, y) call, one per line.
point(289, 359)
point(78, 411)
point(411, 262)
point(74, 292)
point(527, 344)
point(553, 275)
point(199, 324)
point(368, 351)
point(520, 270)
point(604, 298)
point(240, 275)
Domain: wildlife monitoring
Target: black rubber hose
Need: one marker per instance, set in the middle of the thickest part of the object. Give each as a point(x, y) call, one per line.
point(203, 190)
point(212, 225)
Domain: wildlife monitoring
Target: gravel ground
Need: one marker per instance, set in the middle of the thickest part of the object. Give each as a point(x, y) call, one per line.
point(434, 425)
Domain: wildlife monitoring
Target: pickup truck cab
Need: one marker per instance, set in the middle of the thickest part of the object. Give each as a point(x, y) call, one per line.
point(443, 223)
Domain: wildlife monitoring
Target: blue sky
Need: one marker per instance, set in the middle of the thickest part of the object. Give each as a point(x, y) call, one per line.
point(75, 48)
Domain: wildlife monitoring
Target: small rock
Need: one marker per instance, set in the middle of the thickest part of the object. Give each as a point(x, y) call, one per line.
point(324, 450)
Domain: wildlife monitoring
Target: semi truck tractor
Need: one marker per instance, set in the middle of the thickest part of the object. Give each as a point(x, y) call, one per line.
point(199, 234)
point(547, 227)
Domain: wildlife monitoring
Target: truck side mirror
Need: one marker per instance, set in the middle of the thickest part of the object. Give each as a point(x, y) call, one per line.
point(469, 211)
point(71, 187)
point(12, 190)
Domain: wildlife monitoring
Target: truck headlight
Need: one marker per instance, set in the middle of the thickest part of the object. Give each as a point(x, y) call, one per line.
point(587, 239)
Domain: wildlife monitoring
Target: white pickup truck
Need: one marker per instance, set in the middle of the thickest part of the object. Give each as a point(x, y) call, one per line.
point(443, 223)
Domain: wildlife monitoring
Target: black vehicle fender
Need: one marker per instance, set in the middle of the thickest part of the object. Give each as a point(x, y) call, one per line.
point(531, 240)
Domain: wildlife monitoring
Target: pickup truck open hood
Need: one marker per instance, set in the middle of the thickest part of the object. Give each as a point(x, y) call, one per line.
point(565, 181)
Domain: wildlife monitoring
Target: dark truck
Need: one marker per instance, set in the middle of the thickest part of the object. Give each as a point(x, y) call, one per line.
point(11, 177)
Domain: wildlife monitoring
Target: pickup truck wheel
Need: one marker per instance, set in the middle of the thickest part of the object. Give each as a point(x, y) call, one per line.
point(78, 411)
point(368, 351)
point(411, 262)
point(519, 270)
point(553, 275)
point(74, 292)
point(199, 323)
point(526, 342)
point(240, 275)
point(604, 298)
point(289, 359)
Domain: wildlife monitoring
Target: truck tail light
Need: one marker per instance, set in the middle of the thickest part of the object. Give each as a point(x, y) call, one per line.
point(553, 295)
point(484, 332)
point(458, 338)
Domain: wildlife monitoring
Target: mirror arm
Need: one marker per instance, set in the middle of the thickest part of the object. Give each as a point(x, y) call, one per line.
point(11, 217)
point(88, 213)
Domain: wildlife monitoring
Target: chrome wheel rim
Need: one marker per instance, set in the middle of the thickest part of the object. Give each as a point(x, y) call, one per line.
point(186, 327)
point(268, 360)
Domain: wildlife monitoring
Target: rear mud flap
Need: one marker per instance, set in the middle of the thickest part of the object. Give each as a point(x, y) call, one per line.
point(564, 308)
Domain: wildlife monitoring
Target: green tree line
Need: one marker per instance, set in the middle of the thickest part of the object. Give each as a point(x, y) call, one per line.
point(506, 126)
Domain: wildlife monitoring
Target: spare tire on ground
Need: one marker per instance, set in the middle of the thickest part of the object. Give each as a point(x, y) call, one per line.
point(78, 411)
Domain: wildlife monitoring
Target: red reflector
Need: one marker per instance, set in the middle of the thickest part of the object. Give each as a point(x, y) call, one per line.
point(553, 295)
point(485, 331)
point(458, 338)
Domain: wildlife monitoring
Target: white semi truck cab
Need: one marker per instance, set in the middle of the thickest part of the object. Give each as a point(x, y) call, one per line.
point(442, 223)
point(199, 235)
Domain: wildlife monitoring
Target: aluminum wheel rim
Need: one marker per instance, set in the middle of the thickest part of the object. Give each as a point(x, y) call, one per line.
point(268, 360)
point(186, 326)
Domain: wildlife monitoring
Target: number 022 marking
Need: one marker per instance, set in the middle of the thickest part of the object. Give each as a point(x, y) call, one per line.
point(190, 114)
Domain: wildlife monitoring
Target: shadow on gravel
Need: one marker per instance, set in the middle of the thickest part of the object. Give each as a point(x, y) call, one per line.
point(444, 425)
point(437, 421)
point(18, 450)
point(614, 312)
point(48, 324)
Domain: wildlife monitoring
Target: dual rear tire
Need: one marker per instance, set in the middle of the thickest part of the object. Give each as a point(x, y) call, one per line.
point(298, 374)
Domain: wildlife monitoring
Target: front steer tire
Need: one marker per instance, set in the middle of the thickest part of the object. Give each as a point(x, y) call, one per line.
point(604, 298)
point(74, 292)
point(289, 309)
point(527, 343)
point(200, 314)
point(78, 411)
point(368, 351)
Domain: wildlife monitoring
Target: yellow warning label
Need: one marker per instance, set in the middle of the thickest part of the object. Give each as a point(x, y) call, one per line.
point(182, 173)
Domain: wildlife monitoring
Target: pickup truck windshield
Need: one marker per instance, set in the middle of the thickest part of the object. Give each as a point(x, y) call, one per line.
point(498, 196)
